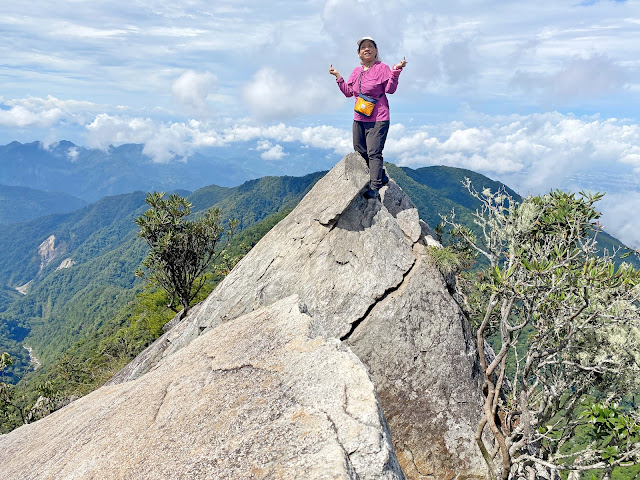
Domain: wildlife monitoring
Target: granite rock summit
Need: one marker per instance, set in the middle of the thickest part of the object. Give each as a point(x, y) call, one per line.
point(334, 349)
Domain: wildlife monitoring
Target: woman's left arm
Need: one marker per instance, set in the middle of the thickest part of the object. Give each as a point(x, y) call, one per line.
point(392, 83)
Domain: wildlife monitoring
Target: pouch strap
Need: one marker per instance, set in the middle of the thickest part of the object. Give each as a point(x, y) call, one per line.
point(374, 100)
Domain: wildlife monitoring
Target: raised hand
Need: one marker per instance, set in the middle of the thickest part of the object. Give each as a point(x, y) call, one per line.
point(334, 72)
point(401, 65)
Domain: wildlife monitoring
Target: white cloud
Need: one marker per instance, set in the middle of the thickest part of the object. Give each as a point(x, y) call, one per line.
point(272, 95)
point(322, 136)
point(107, 129)
point(467, 140)
point(347, 20)
point(263, 145)
point(67, 29)
point(619, 216)
point(44, 112)
point(472, 50)
point(579, 78)
point(191, 90)
point(275, 152)
point(270, 151)
point(163, 142)
point(531, 153)
point(71, 106)
point(166, 141)
point(73, 153)
point(170, 142)
point(20, 117)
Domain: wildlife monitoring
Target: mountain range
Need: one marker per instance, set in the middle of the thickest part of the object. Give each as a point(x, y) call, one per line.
point(91, 174)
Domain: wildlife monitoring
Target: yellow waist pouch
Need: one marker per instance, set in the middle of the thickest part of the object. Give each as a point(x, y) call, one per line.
point(365, 105)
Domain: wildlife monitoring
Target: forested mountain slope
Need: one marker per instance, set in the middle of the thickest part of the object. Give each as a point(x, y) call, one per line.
point(81, 265)
point(438, 190)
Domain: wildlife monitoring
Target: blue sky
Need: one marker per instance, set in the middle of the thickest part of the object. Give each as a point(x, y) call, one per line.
point(538, 94)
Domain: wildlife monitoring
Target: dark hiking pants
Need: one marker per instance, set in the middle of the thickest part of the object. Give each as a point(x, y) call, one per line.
point(368, 141)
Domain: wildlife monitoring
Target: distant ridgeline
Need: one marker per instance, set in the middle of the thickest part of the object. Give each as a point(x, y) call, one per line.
point(64, 277)
point(91, 173)
point(18, 204)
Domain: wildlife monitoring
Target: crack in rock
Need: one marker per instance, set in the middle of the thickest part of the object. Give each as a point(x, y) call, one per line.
point(378, 300)
point(165, 392)
point(237, 369)
point(413, 462)
point(353, 475)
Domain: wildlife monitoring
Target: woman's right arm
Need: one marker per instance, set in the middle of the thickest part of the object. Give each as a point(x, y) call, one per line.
point(344, 86)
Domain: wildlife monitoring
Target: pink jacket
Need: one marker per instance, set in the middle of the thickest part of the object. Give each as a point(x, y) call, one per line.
point(376, 82)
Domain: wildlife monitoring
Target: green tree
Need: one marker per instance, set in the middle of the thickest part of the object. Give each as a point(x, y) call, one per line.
point(15, 409)
point(181, 250)
point(9, 405)
point(566, 324)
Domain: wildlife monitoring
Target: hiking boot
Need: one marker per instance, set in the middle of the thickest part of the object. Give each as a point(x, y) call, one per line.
point(385, 178)
point(371, 193)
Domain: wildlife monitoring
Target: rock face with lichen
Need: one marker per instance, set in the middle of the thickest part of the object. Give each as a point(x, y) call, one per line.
point(334, 349)
point(263, 399)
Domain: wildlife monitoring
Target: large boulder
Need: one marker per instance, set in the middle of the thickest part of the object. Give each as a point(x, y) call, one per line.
point(258, 398)
point(422, 358)
point(362, 270)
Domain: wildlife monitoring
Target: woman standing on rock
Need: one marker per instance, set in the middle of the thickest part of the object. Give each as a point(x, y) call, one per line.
point(370, 83)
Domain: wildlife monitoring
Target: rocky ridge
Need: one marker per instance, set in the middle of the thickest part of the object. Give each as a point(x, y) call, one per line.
point(338, 276)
